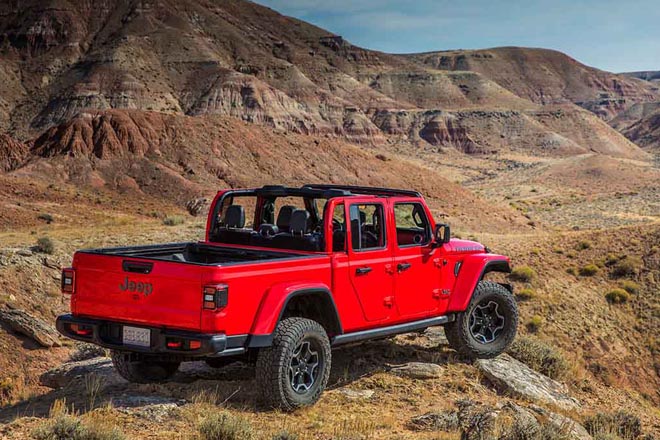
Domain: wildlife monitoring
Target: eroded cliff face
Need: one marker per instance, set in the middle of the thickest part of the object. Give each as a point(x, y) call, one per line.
point(547, 77)
point(12, 153)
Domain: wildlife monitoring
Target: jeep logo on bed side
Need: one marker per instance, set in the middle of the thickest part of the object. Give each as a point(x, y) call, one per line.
point(136, 286)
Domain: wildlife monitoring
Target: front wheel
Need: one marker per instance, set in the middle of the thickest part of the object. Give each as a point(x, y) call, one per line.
point(293, 372)
point(488, 325)
point(144, 369)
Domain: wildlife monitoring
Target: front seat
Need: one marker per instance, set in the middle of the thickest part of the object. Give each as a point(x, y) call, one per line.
point(284, 218)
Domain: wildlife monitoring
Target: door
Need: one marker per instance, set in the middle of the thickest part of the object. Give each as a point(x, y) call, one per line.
point(370, 258)
point(417, 280)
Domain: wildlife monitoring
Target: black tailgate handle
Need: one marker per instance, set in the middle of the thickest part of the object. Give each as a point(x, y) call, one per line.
point(137, 266)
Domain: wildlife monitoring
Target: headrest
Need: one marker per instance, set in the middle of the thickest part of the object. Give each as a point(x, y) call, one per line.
point(284, 216)
point(234, 217)
point(299, 220)
point(267, 230)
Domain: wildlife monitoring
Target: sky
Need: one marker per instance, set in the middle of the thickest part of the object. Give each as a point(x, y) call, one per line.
point(618, 36)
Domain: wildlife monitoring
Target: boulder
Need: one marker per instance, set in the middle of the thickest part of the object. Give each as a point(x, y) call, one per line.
point(418, 370)
point(517, 379)
point(356, 394)
point(572, 428)
point(75, 372)
point(435, 421)
point(197, 206)
point(22, 322)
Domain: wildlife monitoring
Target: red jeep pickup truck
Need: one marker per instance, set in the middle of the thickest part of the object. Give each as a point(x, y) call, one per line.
point(283, 275)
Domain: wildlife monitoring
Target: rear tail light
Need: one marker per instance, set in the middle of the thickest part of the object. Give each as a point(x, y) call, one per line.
point(183, 344)
point(81, 330)
point(215, 296)
point(68, 280)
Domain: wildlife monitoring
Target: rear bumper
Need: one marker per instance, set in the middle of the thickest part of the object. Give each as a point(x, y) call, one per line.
point(108, 334)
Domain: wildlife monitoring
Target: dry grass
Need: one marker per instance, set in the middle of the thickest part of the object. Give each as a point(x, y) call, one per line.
point(523, 274)
point(540, 356)
point(223, 425)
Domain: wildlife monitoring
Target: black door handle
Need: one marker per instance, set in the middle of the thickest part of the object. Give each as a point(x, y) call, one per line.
point(403, 266)
point(362, 270)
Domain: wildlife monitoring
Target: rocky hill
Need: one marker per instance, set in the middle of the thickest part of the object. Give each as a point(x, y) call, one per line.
point(648, 75)
point(547, 77)
point(239, 59)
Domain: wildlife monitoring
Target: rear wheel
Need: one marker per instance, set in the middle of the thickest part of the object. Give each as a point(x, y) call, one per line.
point(488, 326)
point(143, 369)
point(294, 371)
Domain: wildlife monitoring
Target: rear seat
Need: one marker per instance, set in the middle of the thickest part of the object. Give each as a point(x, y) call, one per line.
point(233, 230)
point(299, 237)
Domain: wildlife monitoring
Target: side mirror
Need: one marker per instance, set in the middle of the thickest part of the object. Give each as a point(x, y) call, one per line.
point(442, 234)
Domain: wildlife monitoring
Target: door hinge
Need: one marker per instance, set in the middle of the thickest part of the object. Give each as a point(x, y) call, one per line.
point(388, 301)
point(389, 269)
point(439, 293)
point(439, 262)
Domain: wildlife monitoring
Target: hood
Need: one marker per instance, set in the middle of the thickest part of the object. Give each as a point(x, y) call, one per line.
point(466, 246)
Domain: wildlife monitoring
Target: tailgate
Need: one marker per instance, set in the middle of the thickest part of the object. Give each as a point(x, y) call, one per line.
point(126, 289)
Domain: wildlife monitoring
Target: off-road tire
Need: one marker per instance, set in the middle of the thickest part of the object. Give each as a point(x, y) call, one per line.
point(143, 370)
point(273, 364)
point(458, 332)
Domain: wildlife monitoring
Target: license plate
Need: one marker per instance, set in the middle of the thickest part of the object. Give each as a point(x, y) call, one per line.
point(140, 337)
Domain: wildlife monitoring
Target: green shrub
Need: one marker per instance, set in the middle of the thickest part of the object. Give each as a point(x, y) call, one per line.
point(45, 245)
point(627, 266)
point(618, 425)
point(523, 273)
point(630, 286)
point(225, 426)
point(558, 250)
point(589, 270)
point(617, 296)
point(535, 251)
point(525, 294)
point(583, 245)
point(46, 217)
point(62, 425)
point(535, 323)
point(611, 260)
point(572, 271)
point(285, 435)
point(172, 220)
point(540, 356)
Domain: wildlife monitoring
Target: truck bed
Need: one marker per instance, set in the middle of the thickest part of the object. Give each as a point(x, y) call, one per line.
point(197, 253)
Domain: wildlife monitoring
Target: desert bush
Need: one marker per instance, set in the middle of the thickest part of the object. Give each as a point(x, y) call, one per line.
point(46, 217)
point(611, 260)
point(63, 425)
point(172, 220)
point(225, 426)
point(523, 273)
point(617, 296)
point(572, 271)
point(589, 270)
point(45, 245)
point(627, 266)
point(583, 245)
point(535, 323)
point(285, 435)
point(630, 286)
point(540, 356)
point(558, 250)
point(618, 425)
point(523, 429)
point(525, 294)
point(7, 387)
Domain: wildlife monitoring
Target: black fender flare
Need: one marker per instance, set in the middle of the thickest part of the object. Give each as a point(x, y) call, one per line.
point(257, 341)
